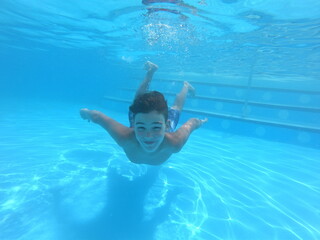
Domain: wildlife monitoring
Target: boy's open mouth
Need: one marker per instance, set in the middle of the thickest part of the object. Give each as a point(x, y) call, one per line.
point(149, 142)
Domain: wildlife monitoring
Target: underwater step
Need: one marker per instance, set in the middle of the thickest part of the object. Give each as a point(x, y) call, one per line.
point(256, 120)
point(253, 92)
point(236, 117)
point(264, 88)
point(245, 101)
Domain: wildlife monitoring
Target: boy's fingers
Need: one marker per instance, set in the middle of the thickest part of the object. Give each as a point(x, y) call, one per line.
point(204, 120)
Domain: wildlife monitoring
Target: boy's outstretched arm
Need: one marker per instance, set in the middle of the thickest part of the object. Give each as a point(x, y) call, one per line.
point(117, 131)
point(181, 136)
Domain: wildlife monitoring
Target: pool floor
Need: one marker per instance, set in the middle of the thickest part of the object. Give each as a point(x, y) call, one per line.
point(64, 178)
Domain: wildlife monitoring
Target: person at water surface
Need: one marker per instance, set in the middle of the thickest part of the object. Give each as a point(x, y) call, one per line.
point(151, 138)
point(179, 3)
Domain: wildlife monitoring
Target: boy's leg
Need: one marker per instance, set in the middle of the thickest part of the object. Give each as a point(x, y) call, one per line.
point(144, 86)
point(174, 111)
point(181, 97)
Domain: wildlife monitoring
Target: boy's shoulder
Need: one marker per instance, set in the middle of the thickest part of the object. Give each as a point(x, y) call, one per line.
point(172, 141)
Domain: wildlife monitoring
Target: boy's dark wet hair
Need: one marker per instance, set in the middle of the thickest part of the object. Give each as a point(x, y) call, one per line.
point(148, 102)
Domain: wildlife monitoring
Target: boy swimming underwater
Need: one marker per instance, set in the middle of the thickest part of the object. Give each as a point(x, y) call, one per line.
point(151, 138)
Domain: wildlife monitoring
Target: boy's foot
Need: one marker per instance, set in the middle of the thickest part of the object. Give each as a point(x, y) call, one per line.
point(150, 67)
point(191, 89)
point(85, 114)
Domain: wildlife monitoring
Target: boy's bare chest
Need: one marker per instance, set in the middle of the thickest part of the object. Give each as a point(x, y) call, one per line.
point(137, 155)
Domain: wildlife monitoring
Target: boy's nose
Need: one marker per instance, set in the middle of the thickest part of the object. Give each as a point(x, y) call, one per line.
point(148, 134)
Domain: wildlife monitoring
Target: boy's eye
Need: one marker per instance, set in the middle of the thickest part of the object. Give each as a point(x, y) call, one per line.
point(157, 128)
point(141, 129)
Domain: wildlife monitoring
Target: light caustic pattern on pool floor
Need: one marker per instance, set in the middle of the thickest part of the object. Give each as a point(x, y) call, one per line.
point(62, 178)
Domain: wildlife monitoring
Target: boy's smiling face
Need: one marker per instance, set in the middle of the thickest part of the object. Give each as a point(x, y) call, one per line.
point(150, 130)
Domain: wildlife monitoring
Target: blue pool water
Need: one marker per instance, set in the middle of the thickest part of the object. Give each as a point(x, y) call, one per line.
point(252, 172)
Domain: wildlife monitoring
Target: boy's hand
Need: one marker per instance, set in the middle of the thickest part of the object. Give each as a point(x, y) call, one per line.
point(85, 114)
point(199, 122)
